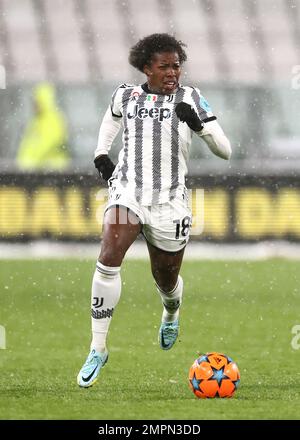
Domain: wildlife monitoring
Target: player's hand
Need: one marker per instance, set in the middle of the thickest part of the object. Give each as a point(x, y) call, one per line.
point(105, 166)
point(186, 113)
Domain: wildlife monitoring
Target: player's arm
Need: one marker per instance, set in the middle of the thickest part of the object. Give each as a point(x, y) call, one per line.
point(215, 139)
point(109, 129)
point(209, 130)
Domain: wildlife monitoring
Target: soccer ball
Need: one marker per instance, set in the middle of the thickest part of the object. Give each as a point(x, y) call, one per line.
point(214, 375)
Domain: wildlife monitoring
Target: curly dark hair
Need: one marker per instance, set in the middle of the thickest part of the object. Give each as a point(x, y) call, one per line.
point(142, 52)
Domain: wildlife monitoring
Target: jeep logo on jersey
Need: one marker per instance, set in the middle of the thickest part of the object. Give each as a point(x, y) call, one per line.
point(154, 113)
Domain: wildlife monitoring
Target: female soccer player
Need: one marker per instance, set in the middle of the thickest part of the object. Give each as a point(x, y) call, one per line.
point(147, 192)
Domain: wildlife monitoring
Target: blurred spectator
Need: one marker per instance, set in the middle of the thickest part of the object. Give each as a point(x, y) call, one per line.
point(43, 146)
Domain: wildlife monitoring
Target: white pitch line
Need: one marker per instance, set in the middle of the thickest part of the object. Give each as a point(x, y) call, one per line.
point(203, 251)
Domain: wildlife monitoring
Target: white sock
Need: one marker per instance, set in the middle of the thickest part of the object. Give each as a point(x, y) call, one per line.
point(171, 301)
point(106, 291)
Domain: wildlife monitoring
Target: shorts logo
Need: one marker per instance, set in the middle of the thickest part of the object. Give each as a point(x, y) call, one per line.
point(154, 113)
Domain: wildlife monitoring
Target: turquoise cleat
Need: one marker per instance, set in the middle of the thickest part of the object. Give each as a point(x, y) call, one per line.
point(88, 374)
point(168, 333)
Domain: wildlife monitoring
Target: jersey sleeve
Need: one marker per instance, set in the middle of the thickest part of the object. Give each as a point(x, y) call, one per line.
point(111, 122)
point(116, 101)
point(204, 110)
point(215, 139)
point(212, 132)
point(109, 129)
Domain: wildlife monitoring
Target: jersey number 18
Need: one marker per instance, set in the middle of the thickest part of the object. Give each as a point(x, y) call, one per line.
point(182, 226)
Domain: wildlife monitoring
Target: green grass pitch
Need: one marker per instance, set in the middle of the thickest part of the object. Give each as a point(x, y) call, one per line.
point(245, 310)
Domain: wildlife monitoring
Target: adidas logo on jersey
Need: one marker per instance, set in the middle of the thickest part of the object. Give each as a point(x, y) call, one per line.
point(154, 113)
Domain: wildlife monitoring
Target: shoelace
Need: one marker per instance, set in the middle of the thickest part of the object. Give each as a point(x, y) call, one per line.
point(89, 363)
point(169, 331)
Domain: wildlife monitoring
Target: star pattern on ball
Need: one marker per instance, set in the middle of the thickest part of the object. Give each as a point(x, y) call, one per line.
point(195, 382)
point(236, 383)
point(202, 358)
point(218, 375)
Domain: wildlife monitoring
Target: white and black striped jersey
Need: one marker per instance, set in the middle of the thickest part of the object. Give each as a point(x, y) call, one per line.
point(153, 161)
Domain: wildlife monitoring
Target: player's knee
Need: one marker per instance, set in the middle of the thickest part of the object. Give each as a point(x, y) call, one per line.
point(165, 283)
point(111, 256)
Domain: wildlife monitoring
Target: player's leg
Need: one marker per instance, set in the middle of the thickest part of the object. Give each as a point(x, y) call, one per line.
point(121, 228)
point(165, 266)
point(165, 269)
point(166, 230)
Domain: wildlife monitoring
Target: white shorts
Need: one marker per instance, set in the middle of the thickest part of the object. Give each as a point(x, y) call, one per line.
point(165, 226)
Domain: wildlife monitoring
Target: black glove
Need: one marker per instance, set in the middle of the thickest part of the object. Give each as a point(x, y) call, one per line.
point(186, 113)
point(105, 166)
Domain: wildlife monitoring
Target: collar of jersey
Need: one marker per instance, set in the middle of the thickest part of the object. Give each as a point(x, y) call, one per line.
point(147, 90)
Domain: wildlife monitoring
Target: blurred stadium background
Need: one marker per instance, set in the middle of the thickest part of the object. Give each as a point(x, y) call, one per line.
point(244, 55)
